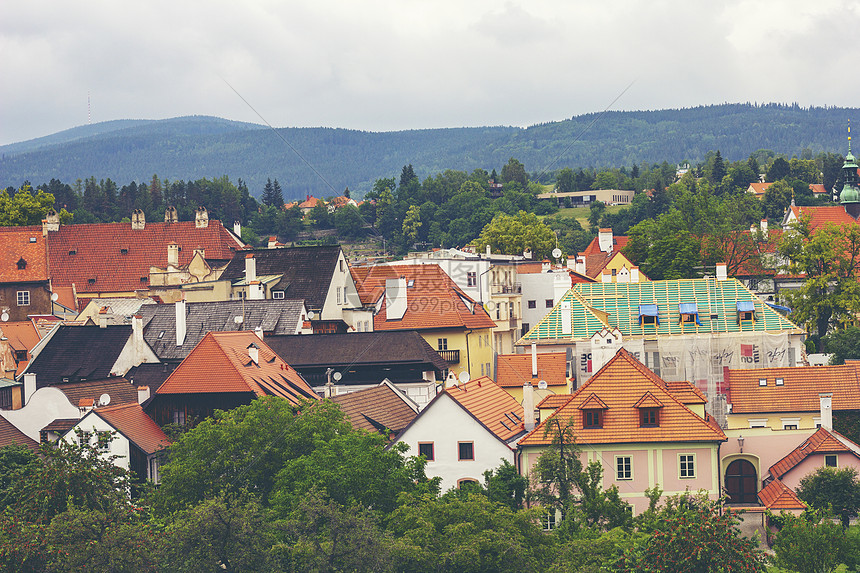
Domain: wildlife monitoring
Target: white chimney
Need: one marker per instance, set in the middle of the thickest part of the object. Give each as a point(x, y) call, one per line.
point(764, 228)
point(604, 240)
point(534, 360)
point(201, 218)
point(395, 298)
point(256, 291)
point(137, 341)
point(237, 228)
point(566, 318)
point(180, 322)
point(606, 276)
point(173, 255)
point(634, 274)
point(250, 268)
point(259, 332)
point(489, 250)
point(580, 264)
point(722, 271)
point(528, 406)
point(254, 353)
point(142, 394)
point(826, 404)
point(29, 386)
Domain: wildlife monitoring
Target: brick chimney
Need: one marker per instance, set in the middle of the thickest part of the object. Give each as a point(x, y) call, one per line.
point(138, 220)
point(173, 255)
point(201, 218)
point(170, 215)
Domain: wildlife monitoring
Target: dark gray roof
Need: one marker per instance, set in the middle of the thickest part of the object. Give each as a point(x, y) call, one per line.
point(120, 391)
point(357, 349)
point(152, 375)
point(273, 316)
point(9, 435)
point(307, 271)
point(79, 352)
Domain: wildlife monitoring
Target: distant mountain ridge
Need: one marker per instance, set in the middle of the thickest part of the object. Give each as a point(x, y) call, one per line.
point(194, 147)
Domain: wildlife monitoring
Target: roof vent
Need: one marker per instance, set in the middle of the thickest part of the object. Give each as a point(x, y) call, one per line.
point(73, 252)
point(32, 239)
point(91, 281)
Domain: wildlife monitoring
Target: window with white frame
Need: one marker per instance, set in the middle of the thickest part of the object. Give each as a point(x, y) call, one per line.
point(548, 520)
point(623, 467)
point(830, 460)
point(790, 423)
point(686, 466)
point(23, 298)
point(758, 423)
point(277, 294)
point(471, 279)
point(338, 295)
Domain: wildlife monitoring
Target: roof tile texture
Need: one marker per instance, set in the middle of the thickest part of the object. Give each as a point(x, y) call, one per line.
point(778, 496)
point(491, 405)
point(371, 408)
point(133, 423)
point(798, 392)
point(516, 369)
point(821, 442)
point(25, 243)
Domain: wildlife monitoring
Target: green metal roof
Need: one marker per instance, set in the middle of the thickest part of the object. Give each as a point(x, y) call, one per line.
point(264, 279)
point(716, 302)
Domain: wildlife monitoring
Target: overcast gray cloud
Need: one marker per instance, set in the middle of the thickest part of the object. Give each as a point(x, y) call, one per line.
point(403, 64)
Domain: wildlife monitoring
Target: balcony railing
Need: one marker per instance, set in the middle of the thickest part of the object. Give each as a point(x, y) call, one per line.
point(515, 288)
point(450, 356)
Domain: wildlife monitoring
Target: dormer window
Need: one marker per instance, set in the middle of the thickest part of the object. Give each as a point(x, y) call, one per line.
point(689, 313)
point(648, 314)
point(649, 417)
point(762, 381)
point(746, 311)
point(22, 264)
point(592, 419)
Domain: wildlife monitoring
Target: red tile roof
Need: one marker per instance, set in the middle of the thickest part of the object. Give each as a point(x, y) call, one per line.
point(376, 409)
point(798, 391)
point(131, 421)
point(490, 405)
point(514, 370)
point(433, 300)
point(117, 256)
point(9, 435)
point(686, 392)
point(778, 496)
point(221, 363)
point(618, 243)
point(616, 389)
point(758, 188)
point(554, 401)
point(23, 255)
point(821, 442)
point(821, 216)
point(21, 336)
point(817, 189)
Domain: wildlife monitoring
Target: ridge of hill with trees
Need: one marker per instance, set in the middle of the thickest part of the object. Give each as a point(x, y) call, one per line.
point(190, 148)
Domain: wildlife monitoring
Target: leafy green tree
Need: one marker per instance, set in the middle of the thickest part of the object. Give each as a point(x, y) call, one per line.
point(779, 169)
point(514, 171)
point(832, 489)
point(412, 223)
point(665, 248)
point(843, 344)
point(565, 180)
point(777, 198)
point(694, 534)
point(349, 222)
point(512, 234)
point(828, 257)
point(17, 464)
point(804, 169)
point(809, 543)
point(24, 207)
point(320, 217)
point(505, 485)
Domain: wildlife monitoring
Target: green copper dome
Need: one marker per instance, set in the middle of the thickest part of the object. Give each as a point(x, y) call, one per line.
point(850, 194)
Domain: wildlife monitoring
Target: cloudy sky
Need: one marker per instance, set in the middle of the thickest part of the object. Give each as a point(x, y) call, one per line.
point(404, 64)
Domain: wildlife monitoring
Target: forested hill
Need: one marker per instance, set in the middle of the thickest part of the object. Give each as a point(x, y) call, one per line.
point(190, 148)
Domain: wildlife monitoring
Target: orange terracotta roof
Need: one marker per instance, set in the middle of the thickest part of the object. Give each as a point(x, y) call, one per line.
point(619, 385)
point(817, 189)
point(797, 393)
point(492, 406)
point(686, 392)
point(554, 401)
point(821, 442)
point(309, 203)
point(433, 301)
point(778, 496)
point(221, 362)
point(22, 336)
point(618, 243)
point(648, 401)
point(821, 216)
point(131, 421)
point(65, 296)
point(529, 268)
point(758, 188)
point(514, 370)
point(23, 255)
point(115, 257)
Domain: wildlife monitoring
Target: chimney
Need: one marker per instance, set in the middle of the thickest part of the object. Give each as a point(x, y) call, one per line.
point(764, 228)
point(606, 276)
point(752, 230)
point(237, 228)
point(180, 322)
point(604, 240)
point(722, 271)
point(580, 264)
point(545, 266)
point(328, 389)
point(395, 298)
point(170, 215)
point(138, 220)
point(634, 274)
point(254, 353)
point(489, 250)
point(259, 332)
point(250, 268)
point(51, 222)
point(256, 290)
point(826, 404)
point(201, 218)
point(566, 317)
point(528, 406)
point(534, 360)
point(173, 255)
point(273, 242)
point(137, 338)
point(103, 316)
point(142, 394)
point(29, 386)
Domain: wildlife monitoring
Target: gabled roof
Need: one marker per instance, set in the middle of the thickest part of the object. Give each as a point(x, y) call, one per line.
point(798, 392)
point(821, 442)
point(357, 349)
point(221, 362)
point(777, 496)
point(616, 305)
point(9, 435)
point(21, 336)
point(618, 243)
point(120, 310)
point(554, 401)
point(620, 384)
point(491, 406)
point(377, 409)
point(159, 322)
point(117, 256)
point(686, 392)
point(306, 272)
point(821, 215)
point(758, 188)
point(23, 255)
point(132, 422)
point(150, 375)
point(433, 299)
point(514, 370)
point(79, 352)
point(120, 391)
point(648, 400)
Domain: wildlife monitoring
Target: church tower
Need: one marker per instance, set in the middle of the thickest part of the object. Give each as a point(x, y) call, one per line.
point(850, 195)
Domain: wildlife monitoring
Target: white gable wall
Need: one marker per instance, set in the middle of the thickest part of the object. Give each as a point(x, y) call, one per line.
point(45, 405)
point(119, 445)
point(445, 424)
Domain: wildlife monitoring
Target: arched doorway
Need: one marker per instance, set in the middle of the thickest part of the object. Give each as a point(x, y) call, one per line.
point(741, 482)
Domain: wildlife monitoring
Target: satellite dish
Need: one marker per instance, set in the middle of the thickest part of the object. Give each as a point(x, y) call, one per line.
point(5, 316)
point(463, 377)
point(104, 399)
point(542, 385)
point(337, 376)
point(311, 315)
point(556, 253)
point(238, 319)
point(54, 296)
